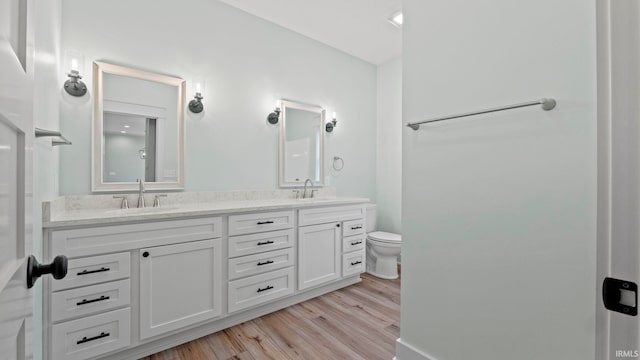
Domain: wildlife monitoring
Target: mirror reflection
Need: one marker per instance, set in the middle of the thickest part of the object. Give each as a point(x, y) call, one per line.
point(139, 115)
point(136, 116)
point(301, 144)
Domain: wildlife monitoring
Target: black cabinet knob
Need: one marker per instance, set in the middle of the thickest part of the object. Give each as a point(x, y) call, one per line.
point(337, 225)
point(145, 254)
point(57, 268)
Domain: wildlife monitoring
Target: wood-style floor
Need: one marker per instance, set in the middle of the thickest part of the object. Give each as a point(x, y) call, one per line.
point(361, 321)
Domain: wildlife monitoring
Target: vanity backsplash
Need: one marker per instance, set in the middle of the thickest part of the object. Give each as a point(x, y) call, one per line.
point(81, 202)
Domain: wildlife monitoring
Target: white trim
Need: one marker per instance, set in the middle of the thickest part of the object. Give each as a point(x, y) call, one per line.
point(405, 351)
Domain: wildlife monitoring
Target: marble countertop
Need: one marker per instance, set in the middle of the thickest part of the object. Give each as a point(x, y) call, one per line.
point(57, 216)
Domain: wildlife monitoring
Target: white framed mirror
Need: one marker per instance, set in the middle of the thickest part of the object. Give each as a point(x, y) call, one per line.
point(138, 129)
point(301, 145)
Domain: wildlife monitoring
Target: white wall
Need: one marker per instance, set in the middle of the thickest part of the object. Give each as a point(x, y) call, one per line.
point(389, 147)
point(45, 22)
point(499, 210)
point(247, 63)
point(122, 157)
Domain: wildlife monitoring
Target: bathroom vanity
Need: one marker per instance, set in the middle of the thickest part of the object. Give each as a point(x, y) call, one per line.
point(143, 280)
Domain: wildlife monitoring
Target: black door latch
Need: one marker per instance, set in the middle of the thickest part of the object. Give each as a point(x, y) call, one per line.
point(620, 296)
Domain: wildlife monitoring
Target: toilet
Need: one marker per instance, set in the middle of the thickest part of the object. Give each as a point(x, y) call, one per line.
point(383, 248)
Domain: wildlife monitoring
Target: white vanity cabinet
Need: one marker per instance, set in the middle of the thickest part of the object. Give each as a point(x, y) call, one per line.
point(92, 311)
point(353, 247)
point(262, 274)
point(319, 249)
point(140, 286)
point(325, 250)
point(180, 285)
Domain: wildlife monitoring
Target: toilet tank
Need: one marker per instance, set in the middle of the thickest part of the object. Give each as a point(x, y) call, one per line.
point(371, 220)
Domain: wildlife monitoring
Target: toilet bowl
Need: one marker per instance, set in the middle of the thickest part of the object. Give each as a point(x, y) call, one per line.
point(383, 249)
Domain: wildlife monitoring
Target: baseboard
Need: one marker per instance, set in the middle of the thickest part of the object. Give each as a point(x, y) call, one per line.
point(405, 351)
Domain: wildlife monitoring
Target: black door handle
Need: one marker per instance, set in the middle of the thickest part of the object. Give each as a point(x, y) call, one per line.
point(57, 268)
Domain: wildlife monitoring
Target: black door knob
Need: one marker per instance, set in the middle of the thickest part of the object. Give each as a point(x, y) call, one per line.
point(57, 268)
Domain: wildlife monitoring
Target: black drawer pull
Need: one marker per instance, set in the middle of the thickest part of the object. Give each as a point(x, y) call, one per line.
point(85, 301)
point(356, 262)
point(356, 243)
point(265, 242)
point(87, 272)
point(265, 222)
point(265, 289)
point(356, 227)
point(86, 339)
point(265, 263)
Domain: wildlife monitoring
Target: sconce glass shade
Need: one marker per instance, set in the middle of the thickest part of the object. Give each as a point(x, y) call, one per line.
point(75, 62)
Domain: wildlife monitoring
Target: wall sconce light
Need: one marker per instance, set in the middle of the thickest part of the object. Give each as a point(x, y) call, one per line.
point(142, 153)
point(195, 105)
point(274, 117)
point(74, 86)
point(332, 124)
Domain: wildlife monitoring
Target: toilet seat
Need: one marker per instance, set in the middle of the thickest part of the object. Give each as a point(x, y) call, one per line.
point(385, 237)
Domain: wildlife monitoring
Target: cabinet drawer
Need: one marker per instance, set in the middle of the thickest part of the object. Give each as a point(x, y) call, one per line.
point(260, 263)
point(103, 239)
point(90, 300)
point(353, 243)
point(353, 263)
point(353, 227)
point(91, 336)
point(261, 242)
point(94, 270)
point(253, 223)
point(330, 214)
point(259, 289)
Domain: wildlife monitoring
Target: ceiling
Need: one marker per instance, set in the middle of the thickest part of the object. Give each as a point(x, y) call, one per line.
point(357, 27)
point(133, 125)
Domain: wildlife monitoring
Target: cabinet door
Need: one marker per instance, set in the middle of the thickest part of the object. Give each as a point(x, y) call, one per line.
point(319, 248)
point(180, 285)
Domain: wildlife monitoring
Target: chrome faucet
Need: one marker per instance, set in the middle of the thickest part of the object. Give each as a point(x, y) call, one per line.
point(141, 194)
point(304, 193)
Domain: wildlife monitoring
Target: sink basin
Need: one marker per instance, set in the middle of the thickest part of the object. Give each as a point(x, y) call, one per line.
point(141, 211)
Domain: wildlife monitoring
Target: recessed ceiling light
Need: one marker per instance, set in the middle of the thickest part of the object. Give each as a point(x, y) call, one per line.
point(123, 132)
point(127, 126)
point(396, 19)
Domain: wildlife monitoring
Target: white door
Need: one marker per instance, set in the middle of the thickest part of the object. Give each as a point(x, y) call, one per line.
point(319, 249)
point(16, 137)
point(617, 326)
